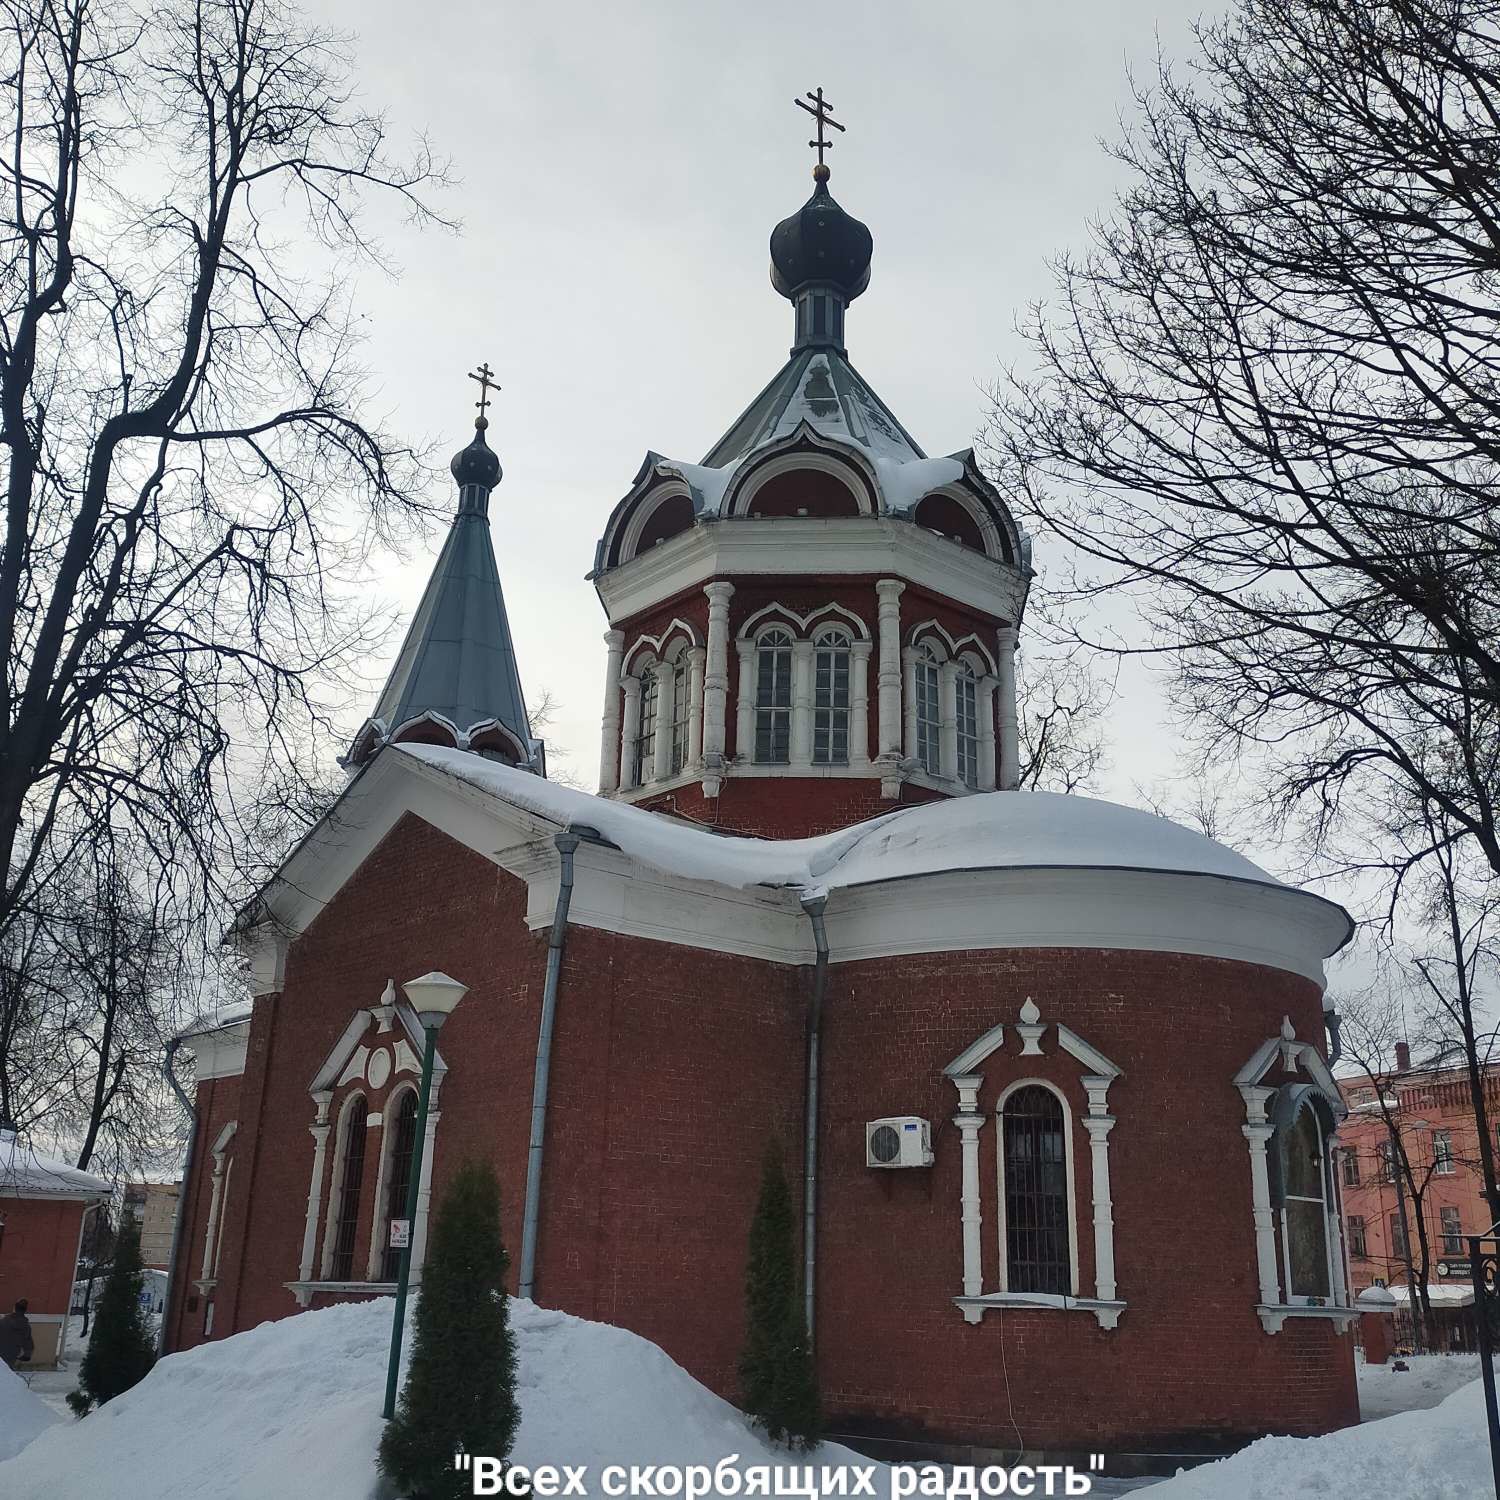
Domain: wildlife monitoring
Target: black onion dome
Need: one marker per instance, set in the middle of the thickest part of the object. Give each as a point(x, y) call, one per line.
point(478, 463)
point(821, 243)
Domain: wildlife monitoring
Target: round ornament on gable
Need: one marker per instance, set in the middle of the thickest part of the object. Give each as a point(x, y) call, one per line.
point(379, 1069)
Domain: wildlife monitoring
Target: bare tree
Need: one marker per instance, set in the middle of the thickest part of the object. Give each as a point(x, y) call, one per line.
point(189, 473)
point(1265, 407)
point(1374, 1022)
point(1061, 706)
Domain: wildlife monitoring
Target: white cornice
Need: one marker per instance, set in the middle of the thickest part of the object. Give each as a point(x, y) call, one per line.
point(1143, 910)
point(797, 545)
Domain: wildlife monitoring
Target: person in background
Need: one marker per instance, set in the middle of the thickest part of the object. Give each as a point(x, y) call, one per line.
point(15, 1336)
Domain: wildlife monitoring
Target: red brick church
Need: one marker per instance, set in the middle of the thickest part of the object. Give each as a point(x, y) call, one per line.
point(1049, 1072)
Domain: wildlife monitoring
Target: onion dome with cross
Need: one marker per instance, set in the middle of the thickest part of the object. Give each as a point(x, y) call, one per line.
point(815, 620)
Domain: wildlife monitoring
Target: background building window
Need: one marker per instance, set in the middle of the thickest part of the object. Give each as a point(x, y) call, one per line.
point(831, 700)
point(773, 699)
point(1453, 1231)
point(1442, 1152)
point(967, 702)
point(346, 1223)
point(1035, 1191)
point(925, 682)
point(1357, 1246)
point(1398, 1238)
point(403, 1143)
point(680, 709)
point(1386, 1152)
point(645, 739)
point(1351, 1168)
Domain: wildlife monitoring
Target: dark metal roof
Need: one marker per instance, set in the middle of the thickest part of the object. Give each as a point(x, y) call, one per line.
point(818, 386)
point(458, 659)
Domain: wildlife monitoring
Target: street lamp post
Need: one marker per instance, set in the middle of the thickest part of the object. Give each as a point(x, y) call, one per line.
point(433, 997)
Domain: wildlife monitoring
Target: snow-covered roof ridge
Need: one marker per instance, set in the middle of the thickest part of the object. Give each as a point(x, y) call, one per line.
point(27, 1173)
point(993, 830)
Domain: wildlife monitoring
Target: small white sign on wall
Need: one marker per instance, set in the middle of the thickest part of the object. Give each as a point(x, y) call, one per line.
point(400, 1233)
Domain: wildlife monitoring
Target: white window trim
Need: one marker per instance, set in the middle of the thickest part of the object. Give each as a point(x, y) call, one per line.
point(213, 1233)
point(1106, 1305)
point(343, 1132)
point(1293, 1056)
point(346, 1063)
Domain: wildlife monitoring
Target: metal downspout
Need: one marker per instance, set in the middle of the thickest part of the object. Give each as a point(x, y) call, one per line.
point(567, 841)
point(175, 1254)
point(813, 906)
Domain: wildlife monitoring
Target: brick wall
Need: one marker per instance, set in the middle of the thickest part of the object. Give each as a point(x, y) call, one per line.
point(672, 1069)
point(38, 1252)
point(1189, 1358)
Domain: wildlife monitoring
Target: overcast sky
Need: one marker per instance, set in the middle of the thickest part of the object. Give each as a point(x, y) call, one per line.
point(621, 168)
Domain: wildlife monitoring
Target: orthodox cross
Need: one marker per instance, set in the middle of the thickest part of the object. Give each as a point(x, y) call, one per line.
point(486, 378)
point(821, 110)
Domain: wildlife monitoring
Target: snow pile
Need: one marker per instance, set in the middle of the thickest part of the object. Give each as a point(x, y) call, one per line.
point(22, 1415)
point(293, 1408)
point(995, 830)
point(1428, 1378)
point(1438, 1454)
point(26, 1173)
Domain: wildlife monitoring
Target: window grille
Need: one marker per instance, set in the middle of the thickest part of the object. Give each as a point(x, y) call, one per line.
point(773, 699)
point(681, 679)
point(831, 700)
point(645, 739)
point(341, 1267)
point(967, 694)
point(403, 1146)
point(1036, 1193)
point(925, 681)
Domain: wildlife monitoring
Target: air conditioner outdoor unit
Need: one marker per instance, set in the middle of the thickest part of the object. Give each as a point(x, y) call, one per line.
point(901, 1141)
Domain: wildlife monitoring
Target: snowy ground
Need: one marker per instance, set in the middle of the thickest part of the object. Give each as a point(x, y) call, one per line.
point(233, 1420)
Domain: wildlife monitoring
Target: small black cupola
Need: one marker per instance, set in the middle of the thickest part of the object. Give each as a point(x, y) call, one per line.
point(820, 256)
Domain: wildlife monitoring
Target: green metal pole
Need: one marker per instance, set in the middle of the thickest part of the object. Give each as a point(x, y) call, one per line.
point(403, 1276)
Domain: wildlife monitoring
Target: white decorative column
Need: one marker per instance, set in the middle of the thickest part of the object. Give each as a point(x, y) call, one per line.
point(909, 693)
point(629, 771)
point(888, 591)
point(424, 1186)
point(744, 719)
point(1258, 1131)
point(210, 1235)
point(802, 704)
point(1099, 1122)
point(609, 734)
point(948, 719)
point(987, 734)
point(319, 1132)
point(666, 712)
point(695, 706)
point(859, 703)
point(715, 685)
point(1010, 741)
point(970, 1122)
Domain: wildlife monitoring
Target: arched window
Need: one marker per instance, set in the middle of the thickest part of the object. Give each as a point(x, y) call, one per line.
point(345, 1217)
point(644, 754)
point(831, 699)
point(402, 1144)
point(966, 696)
point(1303, 1190)
point(1034, 1192)
point(681, 678)
point(925, 683)
point(773, 698)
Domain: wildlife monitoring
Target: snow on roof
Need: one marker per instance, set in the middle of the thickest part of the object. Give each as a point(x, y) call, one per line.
point(1439, 1294)
point(225, 1015)
point(992, 830)
point(26, 1173)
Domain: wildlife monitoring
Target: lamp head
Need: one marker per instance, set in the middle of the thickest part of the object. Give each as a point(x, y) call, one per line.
point(433, 997)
